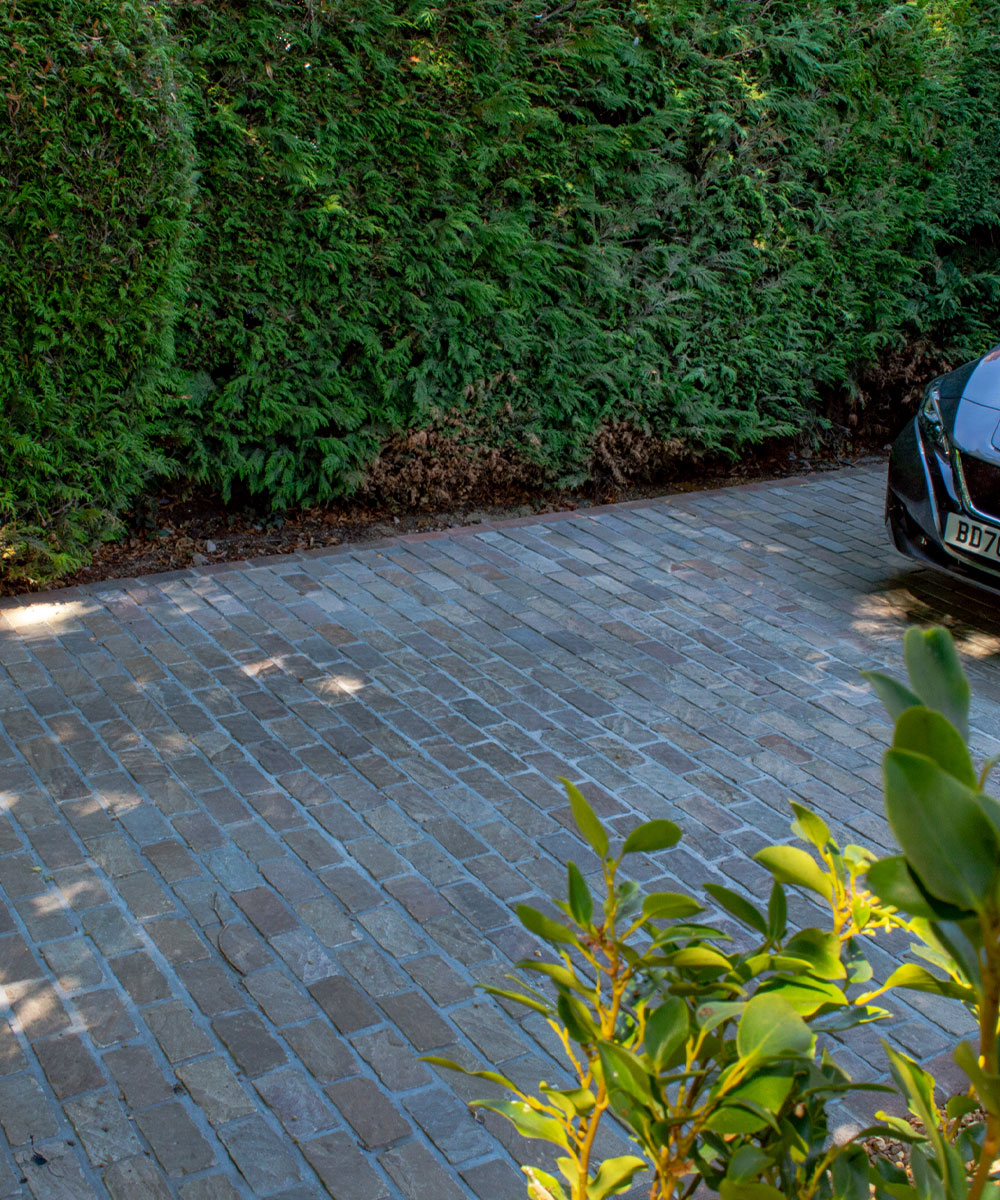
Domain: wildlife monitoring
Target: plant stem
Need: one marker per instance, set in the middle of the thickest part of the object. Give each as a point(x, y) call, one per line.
point(988, 1014)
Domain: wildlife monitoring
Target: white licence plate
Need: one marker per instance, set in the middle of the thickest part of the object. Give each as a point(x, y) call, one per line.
point(972, 536)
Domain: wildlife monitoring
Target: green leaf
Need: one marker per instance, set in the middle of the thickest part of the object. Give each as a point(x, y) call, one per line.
point(894, 883)
point(741, 909)
point(791, 864)
point(987, 1086)
point(623, 1071)
point(527, 1121)
point(560, 975)
point(519, 998)
point(919, 979)
point(821, 950)
point(574, 1015)
point(652, 836)
point(936, 674)
point(669, 906)
point(586, 819)
point(924, 731)
point(544, 927)
point(851, 1174)
point(742, 1117)
point(770, 1027)
point(730, 1189)
point(810, 827)
point(896, 696)
point(960, 1106)
point(777, 913)
point(917, 1085)
point(746, 1163)
point(543, 1186)
point(699, 956)
point(717, 1011)
point(753, 1106)
point(987, 768)
point(492, 1076)
point(574, 1102)
point(806, 996)
point(614, 1175)
point(667, 1029)
point(581, 903)
point(962, 941)
point(950, 844)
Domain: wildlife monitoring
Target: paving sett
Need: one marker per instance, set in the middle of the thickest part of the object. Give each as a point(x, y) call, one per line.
point(264, 823)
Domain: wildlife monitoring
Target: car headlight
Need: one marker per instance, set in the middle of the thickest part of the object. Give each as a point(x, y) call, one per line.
point(932, 423)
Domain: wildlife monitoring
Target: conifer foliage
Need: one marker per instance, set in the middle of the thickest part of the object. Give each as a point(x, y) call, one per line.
point(94, 180)
point(517, 221)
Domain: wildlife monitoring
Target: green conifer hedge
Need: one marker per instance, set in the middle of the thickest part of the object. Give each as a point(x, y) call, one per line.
point(95, 166)
point(517, 221)
point(536, 218)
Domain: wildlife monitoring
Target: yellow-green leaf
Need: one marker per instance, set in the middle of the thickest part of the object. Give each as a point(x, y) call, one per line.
point(791, 864)
point(652, 836)
point(586, 819)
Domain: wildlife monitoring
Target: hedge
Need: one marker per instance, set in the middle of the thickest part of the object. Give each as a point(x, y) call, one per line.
point(527, 220)
point(95, 167)
point(516, 224)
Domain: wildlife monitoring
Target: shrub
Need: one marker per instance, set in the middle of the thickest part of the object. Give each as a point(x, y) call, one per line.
point(709, 1057)
point(94, 171)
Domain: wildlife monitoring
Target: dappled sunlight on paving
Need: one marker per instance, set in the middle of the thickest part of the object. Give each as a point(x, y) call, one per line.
point(921, 597)
point(333, 685)
point(52, 615)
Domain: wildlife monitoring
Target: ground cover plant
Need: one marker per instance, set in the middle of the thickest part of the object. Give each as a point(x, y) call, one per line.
point(717, 1061)
point(421, 244)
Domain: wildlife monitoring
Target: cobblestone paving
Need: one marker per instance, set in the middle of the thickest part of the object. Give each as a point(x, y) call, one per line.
point(264, 824)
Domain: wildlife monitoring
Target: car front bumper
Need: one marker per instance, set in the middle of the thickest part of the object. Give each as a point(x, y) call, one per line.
point(922, 491)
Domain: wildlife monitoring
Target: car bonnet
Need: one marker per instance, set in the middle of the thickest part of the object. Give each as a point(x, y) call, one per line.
point(983, 385)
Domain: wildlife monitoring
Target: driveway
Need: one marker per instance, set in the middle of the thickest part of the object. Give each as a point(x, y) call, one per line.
point(264, 824)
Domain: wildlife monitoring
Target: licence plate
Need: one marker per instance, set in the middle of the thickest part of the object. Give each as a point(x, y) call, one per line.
point(972, 536)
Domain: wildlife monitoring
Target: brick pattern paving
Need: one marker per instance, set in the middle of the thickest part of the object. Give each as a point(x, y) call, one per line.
point(263, 825)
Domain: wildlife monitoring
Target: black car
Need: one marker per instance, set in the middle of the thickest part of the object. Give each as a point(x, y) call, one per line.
point(943, 501)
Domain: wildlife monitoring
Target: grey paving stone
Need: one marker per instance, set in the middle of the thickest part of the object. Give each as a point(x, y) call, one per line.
point(264, 1162)
point(176, 1032)
point(370, 1113)
point(215, 1090)
point(321, 1050)
point(136, 1179)
point(298, 1104)
point(345, 1172)
point(24, 1113)
point(52, 1171)
point(248, 1041)
point(280, 998)
point(102, 1127)
point(209, 1187)
point(73, 963)
point(136, 1072)
point(449, 1125)
point(68, 1065)
point(141, 978)
point(344, 1004)
point(418, 1176)
point(211, 988)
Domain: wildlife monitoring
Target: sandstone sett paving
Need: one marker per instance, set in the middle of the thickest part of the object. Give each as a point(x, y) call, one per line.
point(262, 825)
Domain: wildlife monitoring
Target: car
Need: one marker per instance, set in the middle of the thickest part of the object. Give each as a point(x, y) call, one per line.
point(942, 503)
